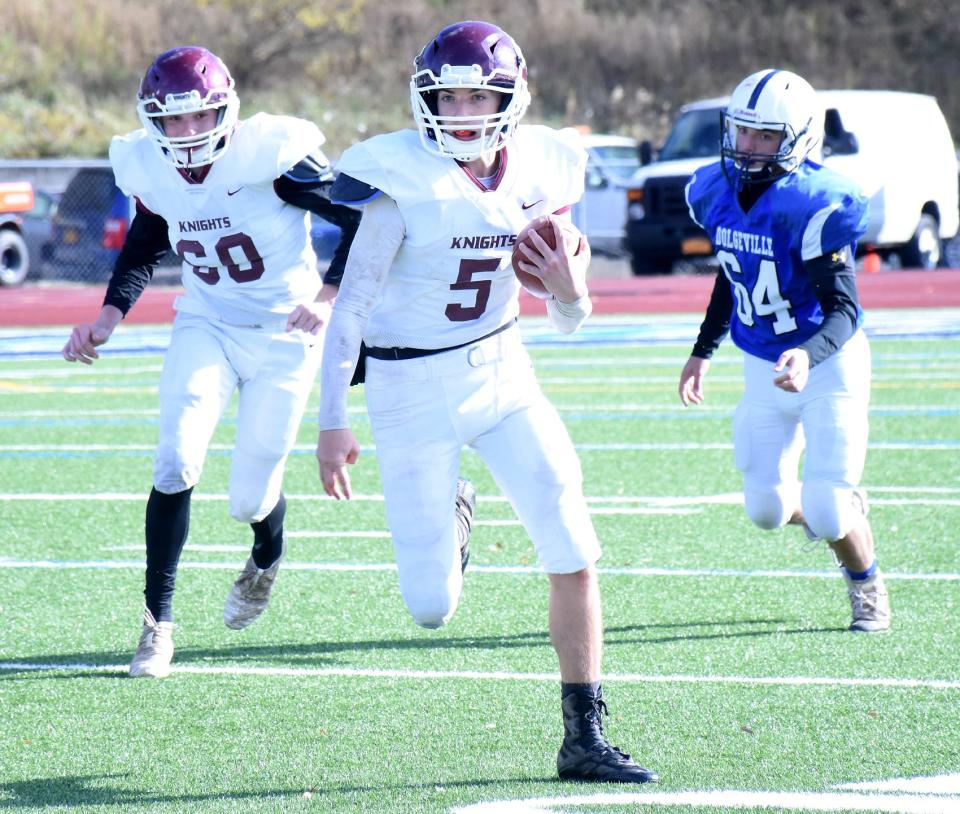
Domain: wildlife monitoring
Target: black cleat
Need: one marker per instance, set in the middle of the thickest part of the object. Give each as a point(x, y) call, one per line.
point(465, 503)
point(587, 755)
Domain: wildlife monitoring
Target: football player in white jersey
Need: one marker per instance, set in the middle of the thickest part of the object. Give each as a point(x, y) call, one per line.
point(785, 230)
point(233, 199)
point(430, 293)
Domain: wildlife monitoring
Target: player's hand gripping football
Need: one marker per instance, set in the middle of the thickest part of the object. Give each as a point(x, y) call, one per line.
point(88, 336)
point(336, 449)
point(562, 270)
point(312, 318)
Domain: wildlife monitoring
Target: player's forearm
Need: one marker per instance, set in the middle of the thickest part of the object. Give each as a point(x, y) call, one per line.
point(834, 284)
point(340, 352)
point(716, 322)
point(567, 317)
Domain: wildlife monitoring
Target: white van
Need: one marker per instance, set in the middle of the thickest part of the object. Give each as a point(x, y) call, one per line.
point(602, 211)
point(895, 145)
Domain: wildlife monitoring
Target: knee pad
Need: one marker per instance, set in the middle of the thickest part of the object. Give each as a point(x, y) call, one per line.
point(172, 474)
point(769, 508)
point(430, 596)
point(249, 508)
point(828, 510)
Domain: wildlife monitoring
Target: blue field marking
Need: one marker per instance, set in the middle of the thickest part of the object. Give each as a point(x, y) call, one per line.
point(926, 323)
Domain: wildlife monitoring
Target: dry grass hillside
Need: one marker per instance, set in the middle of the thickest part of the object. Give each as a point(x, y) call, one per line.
point(69, 68)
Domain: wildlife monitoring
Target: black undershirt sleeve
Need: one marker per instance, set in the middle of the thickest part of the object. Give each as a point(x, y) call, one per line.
point(314, 196)
point(834, 283)
point(146, 243)
point(716, 322)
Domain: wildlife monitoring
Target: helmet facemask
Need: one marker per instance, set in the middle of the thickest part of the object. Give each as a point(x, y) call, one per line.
point(199, 149)
point(436, 132)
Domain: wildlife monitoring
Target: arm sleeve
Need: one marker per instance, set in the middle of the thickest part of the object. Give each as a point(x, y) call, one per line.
point(307, 185)
point(380, 234)
point(834, 283)
point(566, 317)
point(716, 322)
point(146, 243)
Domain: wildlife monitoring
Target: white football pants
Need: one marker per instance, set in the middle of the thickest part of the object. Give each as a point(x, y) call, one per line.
point(827, 422)
point(204, 364)
point(423, 411)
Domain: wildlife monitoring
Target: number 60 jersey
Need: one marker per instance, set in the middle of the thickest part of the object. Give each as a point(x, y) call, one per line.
point(246, 253)
point(805, 214)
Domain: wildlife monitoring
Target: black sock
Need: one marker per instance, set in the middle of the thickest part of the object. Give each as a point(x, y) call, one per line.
point(590, 691)
point(167, 524)
point(268, 536)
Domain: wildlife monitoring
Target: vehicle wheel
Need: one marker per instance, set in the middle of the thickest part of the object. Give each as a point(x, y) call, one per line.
point(643, 264)
point(924, 250)
point(14, 258)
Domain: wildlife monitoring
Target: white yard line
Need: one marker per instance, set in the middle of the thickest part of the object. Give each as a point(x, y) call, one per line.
point(500, 675)
point(521, 570)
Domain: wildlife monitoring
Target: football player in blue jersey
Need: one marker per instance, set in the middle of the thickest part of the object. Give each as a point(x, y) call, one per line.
point(785, 229)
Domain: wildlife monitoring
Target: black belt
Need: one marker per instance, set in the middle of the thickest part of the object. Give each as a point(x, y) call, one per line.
point(416, 353)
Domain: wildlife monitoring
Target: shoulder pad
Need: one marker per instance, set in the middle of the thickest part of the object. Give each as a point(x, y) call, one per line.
point(311, 169)
point(132, 158)
point(349, 191)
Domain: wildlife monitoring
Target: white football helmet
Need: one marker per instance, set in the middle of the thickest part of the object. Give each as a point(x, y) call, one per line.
point(471, 54)
point(772, 100)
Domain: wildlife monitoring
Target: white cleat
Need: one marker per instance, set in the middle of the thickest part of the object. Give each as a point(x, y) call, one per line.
point(155, 650)
point(250, 594)
point(870, 604)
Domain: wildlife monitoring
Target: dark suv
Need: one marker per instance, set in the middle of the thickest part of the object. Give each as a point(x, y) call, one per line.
point(89, 227)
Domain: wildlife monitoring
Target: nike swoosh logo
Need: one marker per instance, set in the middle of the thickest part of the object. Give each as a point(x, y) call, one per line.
point(527, 206)
point(234, 191)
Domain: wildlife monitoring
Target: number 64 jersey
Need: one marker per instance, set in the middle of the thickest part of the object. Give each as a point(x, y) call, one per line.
point(247, 257)
point(805, 214)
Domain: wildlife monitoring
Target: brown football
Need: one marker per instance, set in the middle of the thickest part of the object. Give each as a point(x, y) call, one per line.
point(543, 226)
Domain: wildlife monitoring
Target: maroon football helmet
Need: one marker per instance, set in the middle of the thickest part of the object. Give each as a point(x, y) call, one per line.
point(470, 54)
point(186, 80)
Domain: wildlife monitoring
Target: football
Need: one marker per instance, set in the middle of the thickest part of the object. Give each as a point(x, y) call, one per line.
point(543, 226)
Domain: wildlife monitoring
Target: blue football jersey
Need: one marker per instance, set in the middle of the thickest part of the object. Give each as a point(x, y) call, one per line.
point(805, 214)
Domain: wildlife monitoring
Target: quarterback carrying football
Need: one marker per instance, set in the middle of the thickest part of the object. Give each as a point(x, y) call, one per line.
point(785, 230)
point(430, 299)
point(233, 199)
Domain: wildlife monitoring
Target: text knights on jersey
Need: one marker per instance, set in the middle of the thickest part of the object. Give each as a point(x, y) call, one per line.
point(204, 225)
point(743, 241)
point(483, 242)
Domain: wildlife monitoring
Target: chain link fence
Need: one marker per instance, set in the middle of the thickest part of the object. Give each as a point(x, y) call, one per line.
point(80, 222)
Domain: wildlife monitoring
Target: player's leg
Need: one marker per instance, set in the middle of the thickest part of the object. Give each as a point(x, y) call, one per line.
point(836, 419)
point(278, 373)
point(767, 443)
point(418, 452)
point(195, 386)
point(530, 454)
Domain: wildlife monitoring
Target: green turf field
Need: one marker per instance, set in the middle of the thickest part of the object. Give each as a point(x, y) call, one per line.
point(729, 669)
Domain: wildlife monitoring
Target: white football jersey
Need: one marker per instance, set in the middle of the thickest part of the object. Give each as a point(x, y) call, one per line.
point(452, 281)
point(246, 254)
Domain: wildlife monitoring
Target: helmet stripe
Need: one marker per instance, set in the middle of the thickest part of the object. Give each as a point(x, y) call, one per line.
point(755, 96)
